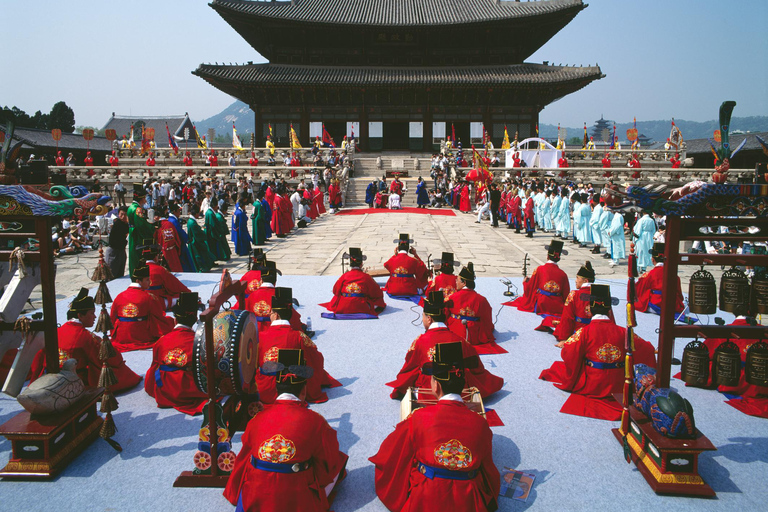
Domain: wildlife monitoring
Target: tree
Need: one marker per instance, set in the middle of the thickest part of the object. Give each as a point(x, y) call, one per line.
point(39, 120)
point(62, 117)
point(575, 141)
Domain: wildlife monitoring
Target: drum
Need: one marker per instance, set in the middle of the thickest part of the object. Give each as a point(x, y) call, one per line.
point(236, 348)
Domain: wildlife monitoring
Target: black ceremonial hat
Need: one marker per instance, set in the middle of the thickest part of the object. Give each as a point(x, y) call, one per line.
point(290, 367)
point(139, 190)
point(600, 294)
point(281, 307)
point(148, 248)
point(187, 303)
point(140, 271)
point(259, 254)
point(555, 249)
point(468, 273)
point(434, 303)
point(657, 251)
point(355, 253)
point(448, 359)
point(284, 293)
point(446, 258)
point(586, 271)
point(83, 302)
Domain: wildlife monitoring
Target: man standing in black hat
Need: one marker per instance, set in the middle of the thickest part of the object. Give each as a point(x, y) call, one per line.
point(422, 351)
point(408, 275)
point(356, 294)
point(592, 368)
point(545, 291)
point(115, 255)
point(650, 285)
point(290, 458)
point(440, 457)
point(495, 204)
point(141, 228)
point(470, 315)
point(170, 379)
point(77, 342)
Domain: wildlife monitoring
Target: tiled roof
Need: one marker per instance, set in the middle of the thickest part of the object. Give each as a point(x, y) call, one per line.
point(277, 74)
point(42, 139)
point(396, 12)
point(122, 125)
point(695, 146)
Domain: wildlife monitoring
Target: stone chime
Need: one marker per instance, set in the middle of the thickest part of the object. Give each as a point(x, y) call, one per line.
point(734, 292)
point(759, 298)
point(726, 364)
point(702, 293)
point(756, 368)
point(695, 368)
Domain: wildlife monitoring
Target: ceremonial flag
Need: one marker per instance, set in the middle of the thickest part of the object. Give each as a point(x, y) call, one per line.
point(453, 133)
point(676, 136)
point(537, 129)
point(144, 141)
point(505, 143)
point(613, 139)
point(480, 170)
point(200, 142)
point(327, 139)
point(294, 139)
point(586, 137)
point(131, 143)
point(236, 144)
point(270, 129)
point(171, 140)
point(635, 142)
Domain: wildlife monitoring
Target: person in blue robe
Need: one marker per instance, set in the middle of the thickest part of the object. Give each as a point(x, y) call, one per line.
point(241, 238)
point(422, 196)
point(370, 193)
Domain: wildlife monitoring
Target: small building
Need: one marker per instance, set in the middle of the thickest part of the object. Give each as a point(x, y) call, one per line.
point(750, 155)
point(41, 144)
point(176, 125)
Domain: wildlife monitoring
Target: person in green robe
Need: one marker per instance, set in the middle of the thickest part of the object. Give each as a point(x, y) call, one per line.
point(211, 232)
point(198, 246)
point(140, 228)
point(258, 218)
point(222, 231)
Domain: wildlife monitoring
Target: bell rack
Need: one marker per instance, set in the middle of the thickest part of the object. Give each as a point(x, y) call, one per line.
point(681, 229)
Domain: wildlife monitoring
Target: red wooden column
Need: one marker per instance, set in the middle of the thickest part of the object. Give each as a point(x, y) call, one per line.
point(668, 298)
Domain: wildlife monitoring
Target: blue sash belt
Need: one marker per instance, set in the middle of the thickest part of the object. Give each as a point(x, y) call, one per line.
point(656, 292)
point(432, 472)
point(605, 366)
point(164, 368)
point(467, 318)
point(548, 294)
point(263, 319)
point(582, 320)
point(157, 287)
point(404, 275)
point(276, 467)
point(132, 319)
point(352, 295)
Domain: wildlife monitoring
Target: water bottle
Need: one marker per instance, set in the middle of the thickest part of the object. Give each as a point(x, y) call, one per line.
point(309, 323)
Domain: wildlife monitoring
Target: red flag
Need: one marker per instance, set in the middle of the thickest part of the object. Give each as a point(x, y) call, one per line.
point(453, 134)
point(327, 139)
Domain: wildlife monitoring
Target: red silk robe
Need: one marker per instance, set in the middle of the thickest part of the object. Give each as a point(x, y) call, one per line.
point(260, 304)
point(422, 350)
point(517, 210)
point(576, 314)
point(464, 204)
point(138, 318)
point(282, 215)
point(544, 293)
point(474, 308)
point(530, 221)
point(287, 432)
point(356, 292)
point(77, 342)
point(649, 289)
point(318, 201)
point(169, 379)
point(312, 212)
point(396, 188)
point(406, 275)
point(164, 285)
point(283, 336)
point(601, 342)
point(167, 238)
point(448, 436)
point(447, 283)
point(252, 278)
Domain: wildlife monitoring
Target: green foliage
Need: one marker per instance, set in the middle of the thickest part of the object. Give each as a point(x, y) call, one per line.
point(98, 132)
point(62, 117)
point(574, 141)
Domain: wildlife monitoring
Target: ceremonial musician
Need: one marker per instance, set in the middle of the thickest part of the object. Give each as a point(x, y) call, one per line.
point(650, 285)
point(252, 278)
point(168, 239)
point(259, 301)
point(281, 335)
point(170, 380)
point(407, 273)
point(355, 292)
point(290, 458)
point(545, 291)
point(446, 281)
point(470, 315)
point(423, 349)
point(163, 285)
point(440, 457)
point(77, 342)
point(138, 316)
point(592, 368)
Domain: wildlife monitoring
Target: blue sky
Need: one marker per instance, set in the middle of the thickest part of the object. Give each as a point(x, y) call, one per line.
point(662, 58)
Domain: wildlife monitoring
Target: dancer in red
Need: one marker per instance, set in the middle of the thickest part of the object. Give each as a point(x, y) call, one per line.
point(440, 457)
point(168, 239)
point(470, 315)
point(290, 458)
point(423, 349)
point(592, 368)
point(77, 342)
point(169, 379)
point(355, 294)
point(545, 291)
point(407, 274)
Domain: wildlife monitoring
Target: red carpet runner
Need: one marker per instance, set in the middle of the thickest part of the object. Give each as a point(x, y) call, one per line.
point(423, 211)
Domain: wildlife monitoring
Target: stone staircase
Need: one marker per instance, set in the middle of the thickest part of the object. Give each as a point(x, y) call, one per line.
point(416, 165)
point(356, 191)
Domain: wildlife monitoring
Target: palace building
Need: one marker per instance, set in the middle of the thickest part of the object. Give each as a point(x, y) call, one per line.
point(399, 74)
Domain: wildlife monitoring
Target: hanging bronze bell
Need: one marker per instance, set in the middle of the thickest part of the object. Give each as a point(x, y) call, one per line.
point(726, 365)
point(734, 292)
point(702, 293)
point(759, 299)
point(695, 369)
point(756, 369)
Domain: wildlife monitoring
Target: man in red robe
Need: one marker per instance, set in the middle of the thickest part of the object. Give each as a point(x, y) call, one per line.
point(423, 349)
point(650, 285)
point(252, 278)
point(138, 316)
point(88, 162)
point(516, 211)
point(545, 291)
point(259, 302)
point(440, 457)
point(168, 239)
point(355, 294)
point(77, 342)
point(170, 379)
point(282, 216)
point(470, 315)
point(309, 195)
point(592, 368)
point(530, 221)
point(407, 274)
point(464, 203)
point(317, 200)
point(446, 281)
point(396, 187)
point(281, 335)
point(59, 159)
point(163, 285)
point(290, 458)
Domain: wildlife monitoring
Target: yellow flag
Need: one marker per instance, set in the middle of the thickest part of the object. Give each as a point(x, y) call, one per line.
point(505, 144)
point(294, 139)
